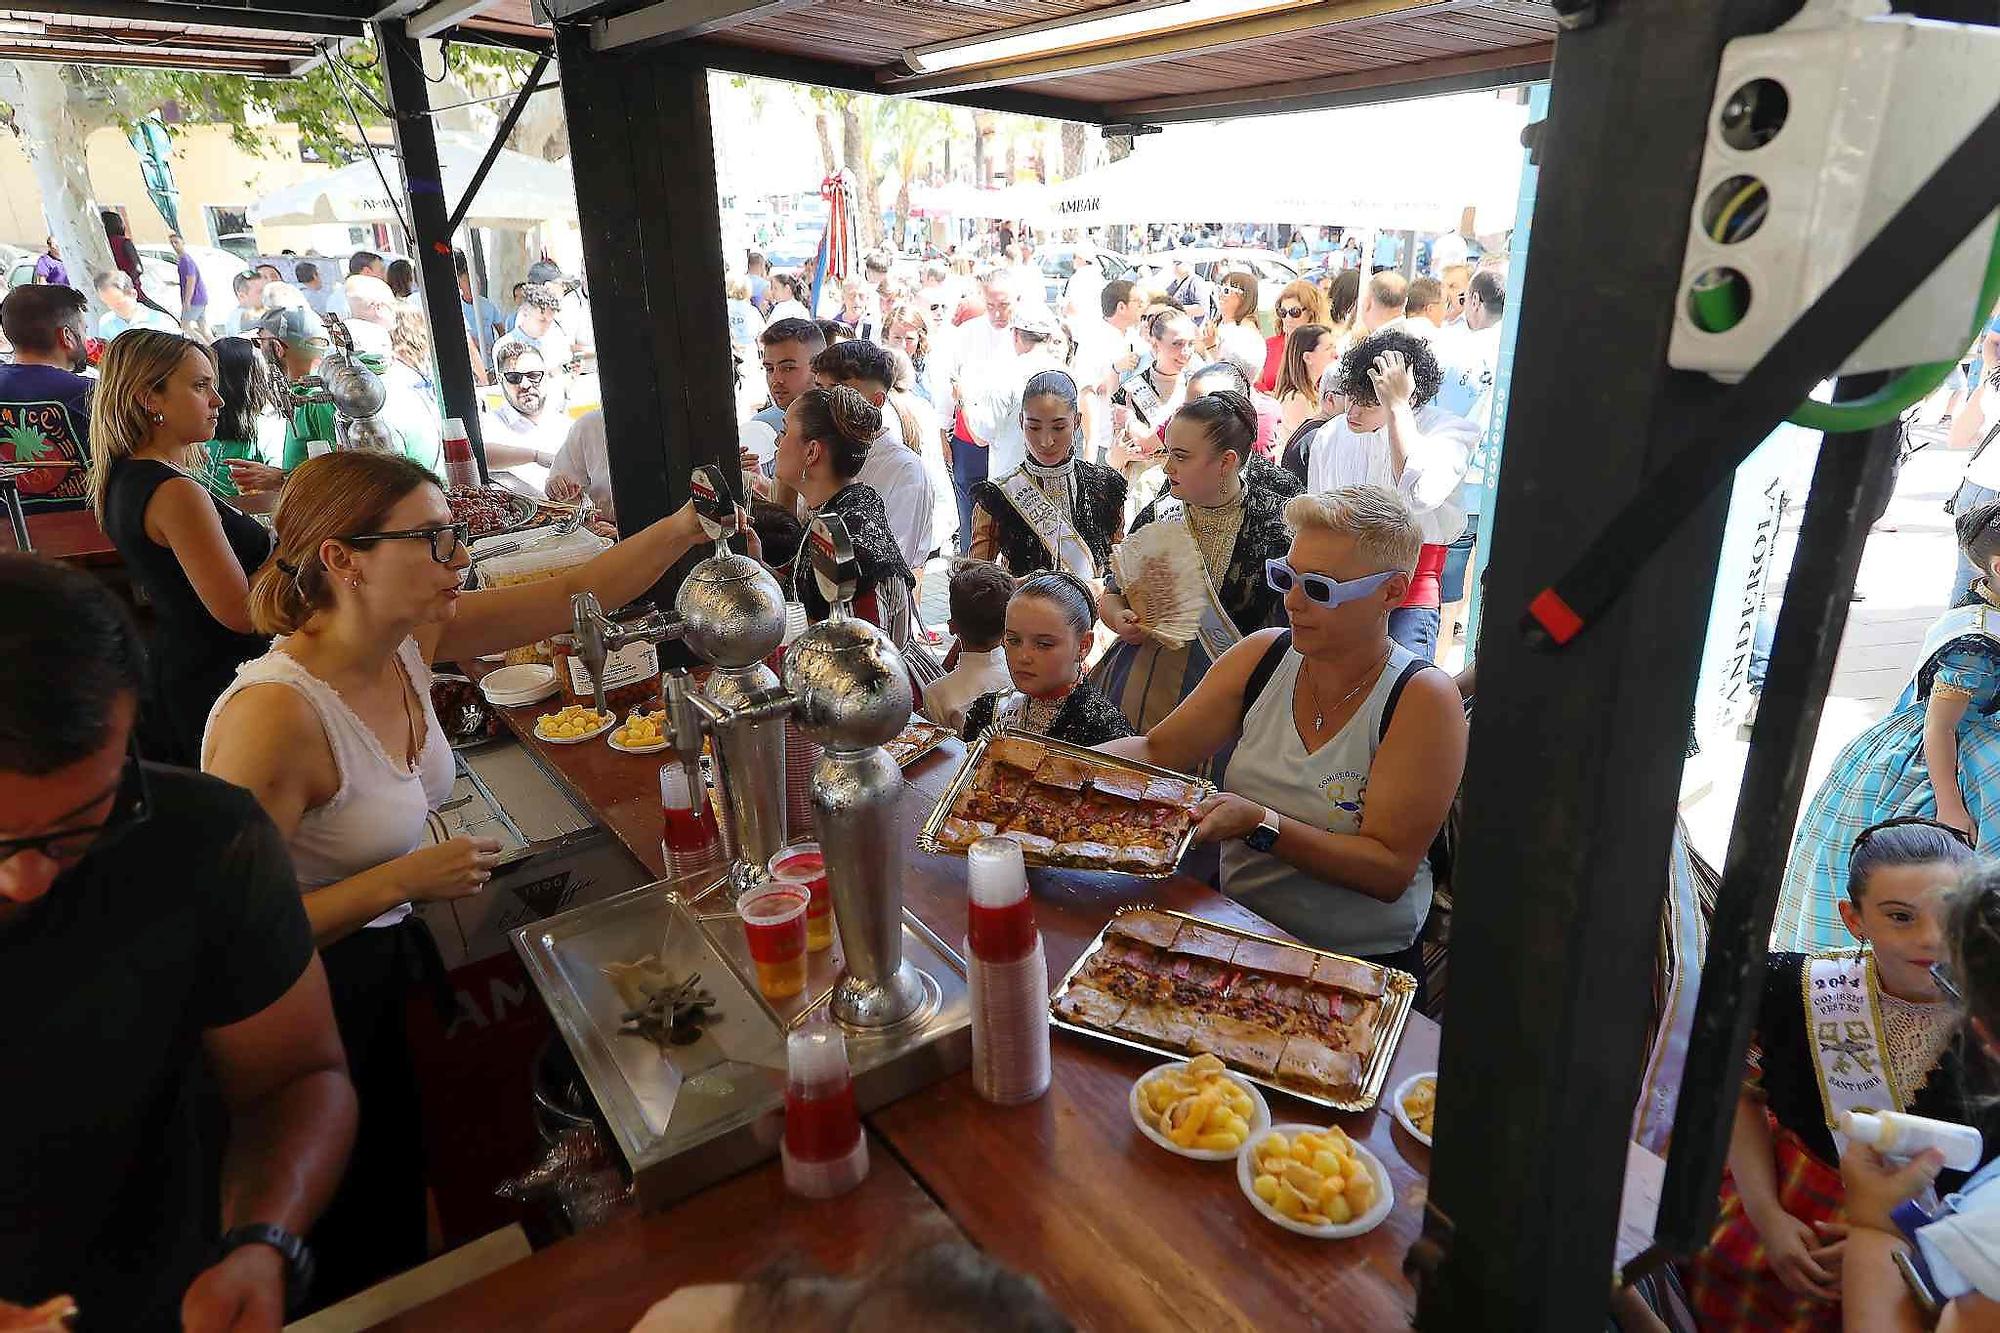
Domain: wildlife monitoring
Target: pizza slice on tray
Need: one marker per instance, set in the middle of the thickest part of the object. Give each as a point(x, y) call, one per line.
point(1203, 942)
point(1162, 1026)
point(1090, 1007)
point(1247, 1046)
point(1283, 960)
point(1154, 928)
point(1317, 1066)
point(1348, 974)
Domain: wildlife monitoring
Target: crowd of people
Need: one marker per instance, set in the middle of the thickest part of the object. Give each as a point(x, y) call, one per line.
point(243, 801)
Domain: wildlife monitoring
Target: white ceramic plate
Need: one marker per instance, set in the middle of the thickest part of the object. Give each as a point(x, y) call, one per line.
point(1260, 1116)
point(572, 740)
point(1404, 1089)
point(1385, 1197)
point(616, 744)
point(518, 686)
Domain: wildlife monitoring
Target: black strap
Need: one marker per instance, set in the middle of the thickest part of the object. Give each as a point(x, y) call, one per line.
point(1930, 224)
point(1980, 448)
point(1414, 666)
point(1260, 675)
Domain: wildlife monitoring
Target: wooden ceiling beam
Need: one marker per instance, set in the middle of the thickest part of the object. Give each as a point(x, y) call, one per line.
point(1510, 66)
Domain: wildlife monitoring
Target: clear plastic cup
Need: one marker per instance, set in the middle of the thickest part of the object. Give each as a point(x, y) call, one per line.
point(1000, 916)
point(824, 1151)
point(803, 866)
point(774, 924)
point(688, 832)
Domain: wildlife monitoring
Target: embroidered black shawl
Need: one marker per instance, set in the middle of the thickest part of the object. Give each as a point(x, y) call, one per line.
point(1087, 717)
point(1251, 602)
point(1100, 504)
point(875, 549)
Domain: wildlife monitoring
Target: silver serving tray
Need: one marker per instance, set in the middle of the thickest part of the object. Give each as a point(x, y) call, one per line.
point(938, 735)
point(1399, 993)
point(928, 836)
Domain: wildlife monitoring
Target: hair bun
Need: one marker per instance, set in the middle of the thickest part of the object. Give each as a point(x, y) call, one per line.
point(855, 417)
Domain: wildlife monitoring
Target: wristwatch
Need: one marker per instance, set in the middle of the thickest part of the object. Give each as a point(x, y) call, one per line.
point(1265, 836)
point(298, 1258)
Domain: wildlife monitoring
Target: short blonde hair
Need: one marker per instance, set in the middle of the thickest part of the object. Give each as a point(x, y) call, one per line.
point(737, 288)
point(1376, 517)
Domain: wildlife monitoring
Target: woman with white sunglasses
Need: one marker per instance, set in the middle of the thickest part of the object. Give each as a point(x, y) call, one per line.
point(1347, 749)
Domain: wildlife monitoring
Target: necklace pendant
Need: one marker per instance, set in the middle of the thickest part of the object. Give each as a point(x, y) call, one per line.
point(1319, 721)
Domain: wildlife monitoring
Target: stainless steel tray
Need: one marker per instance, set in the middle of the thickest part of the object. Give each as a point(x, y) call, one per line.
point(694, 1114)
point(938, 735)
point(1399, 993)
point(928, 839)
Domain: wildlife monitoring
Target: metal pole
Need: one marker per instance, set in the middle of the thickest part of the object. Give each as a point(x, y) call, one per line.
point(416, 143)
point(532, 86)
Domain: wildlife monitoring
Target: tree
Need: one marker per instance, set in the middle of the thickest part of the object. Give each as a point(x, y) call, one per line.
point(53, 122)
point(906, 128)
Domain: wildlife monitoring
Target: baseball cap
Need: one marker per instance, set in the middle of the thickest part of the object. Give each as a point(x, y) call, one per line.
point(1037, 320)
point(296, 326)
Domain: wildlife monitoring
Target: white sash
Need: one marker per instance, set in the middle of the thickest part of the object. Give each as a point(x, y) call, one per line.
point(1046, 521)
point(1218, 632)
point(1850, 1050)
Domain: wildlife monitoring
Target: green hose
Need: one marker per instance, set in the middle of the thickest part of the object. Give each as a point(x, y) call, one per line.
point(1907, 389)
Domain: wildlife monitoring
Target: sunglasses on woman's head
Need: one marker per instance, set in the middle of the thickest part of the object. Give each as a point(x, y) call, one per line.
point(1318, 588)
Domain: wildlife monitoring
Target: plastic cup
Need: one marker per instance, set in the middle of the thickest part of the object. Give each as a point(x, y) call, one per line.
point(688, 832)
point(1000, 917)
point(774, 924)
point(823, 1151)
point(803, 866)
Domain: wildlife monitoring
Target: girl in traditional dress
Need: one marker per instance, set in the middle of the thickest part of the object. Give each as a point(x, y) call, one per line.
point(827, 436)
point(1047, 638)
point(1224, 514)
point(1839, 1030)
point(1937, 753)
point(1055, 511)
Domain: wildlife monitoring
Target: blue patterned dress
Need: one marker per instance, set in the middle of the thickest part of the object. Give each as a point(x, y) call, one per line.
point(1882, 774)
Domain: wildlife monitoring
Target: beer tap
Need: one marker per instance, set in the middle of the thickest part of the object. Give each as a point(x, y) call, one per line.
point(851, 692)
point(598, 636)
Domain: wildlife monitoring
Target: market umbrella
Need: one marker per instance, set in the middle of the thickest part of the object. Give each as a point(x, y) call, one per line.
point(520, 191)
point(150, 141)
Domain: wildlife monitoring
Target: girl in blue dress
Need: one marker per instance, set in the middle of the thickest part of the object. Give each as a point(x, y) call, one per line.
point(1936, 754)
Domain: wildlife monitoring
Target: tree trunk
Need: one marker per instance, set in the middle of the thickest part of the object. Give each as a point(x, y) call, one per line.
point(860, 163)
point(53, 126)
point(827, 159)
point(982, 149)
point(1075, 141)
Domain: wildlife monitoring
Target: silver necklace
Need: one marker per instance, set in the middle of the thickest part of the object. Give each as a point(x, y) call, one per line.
point(1319, 713)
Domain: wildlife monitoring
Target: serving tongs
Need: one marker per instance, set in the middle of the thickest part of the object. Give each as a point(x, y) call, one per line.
point(556, 531)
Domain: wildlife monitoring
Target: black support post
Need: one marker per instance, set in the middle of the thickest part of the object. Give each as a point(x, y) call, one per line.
point(1573, 776)
point(644, 158)
point(423, 183)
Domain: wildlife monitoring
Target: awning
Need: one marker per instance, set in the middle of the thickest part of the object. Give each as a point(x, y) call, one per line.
point(521, 191)
point(1409, 166)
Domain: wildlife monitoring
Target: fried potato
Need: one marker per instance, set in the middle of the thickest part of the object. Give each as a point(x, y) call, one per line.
point(1316, 1177)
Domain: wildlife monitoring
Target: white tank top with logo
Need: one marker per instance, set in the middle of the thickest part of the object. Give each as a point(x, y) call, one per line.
point(1326, 788)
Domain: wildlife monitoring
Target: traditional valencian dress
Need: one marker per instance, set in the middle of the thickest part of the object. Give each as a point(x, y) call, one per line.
point(883, 598)
point(1036, 517)
point(1233, 540)
point(1882, 773)
point(1081, 717)
point(1829, 1040)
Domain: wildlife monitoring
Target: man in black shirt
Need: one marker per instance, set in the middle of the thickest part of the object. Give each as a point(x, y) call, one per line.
point(148, 916)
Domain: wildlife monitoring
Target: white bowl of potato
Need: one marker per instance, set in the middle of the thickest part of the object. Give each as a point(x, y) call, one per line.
point(1185, 1103)
point(1286, 1174)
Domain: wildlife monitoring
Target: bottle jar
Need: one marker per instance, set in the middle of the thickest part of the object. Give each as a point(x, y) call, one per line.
point(631, 674)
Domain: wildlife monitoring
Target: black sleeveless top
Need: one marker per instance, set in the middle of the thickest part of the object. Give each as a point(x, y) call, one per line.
point(191, 655)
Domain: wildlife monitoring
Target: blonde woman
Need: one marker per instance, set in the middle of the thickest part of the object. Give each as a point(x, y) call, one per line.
point(1235, 330)
point(334, 733)
point(188, 553)
point(1300, 304)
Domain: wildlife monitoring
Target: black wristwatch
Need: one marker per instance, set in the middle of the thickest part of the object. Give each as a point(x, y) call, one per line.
point(1265, 836)
point(298, 1258)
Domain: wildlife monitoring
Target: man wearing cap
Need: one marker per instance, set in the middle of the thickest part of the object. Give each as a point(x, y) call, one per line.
point(993, 399)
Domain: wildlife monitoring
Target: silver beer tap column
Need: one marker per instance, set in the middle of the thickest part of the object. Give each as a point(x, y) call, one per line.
point(851, 692)
point(598, 636)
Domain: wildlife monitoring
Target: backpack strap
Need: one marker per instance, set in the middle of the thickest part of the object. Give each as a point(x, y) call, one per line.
point(1411, 668)
point(1260, 675)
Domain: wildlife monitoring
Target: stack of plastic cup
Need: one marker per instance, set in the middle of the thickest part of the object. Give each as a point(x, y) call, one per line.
point(824, 1151)
point(689, 834)
point(1009, 976)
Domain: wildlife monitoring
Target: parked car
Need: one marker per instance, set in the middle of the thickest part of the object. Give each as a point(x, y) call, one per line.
point(1060, 262)
point(159, 279)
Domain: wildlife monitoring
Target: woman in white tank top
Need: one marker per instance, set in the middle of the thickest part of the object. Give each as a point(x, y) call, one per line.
point(333, 732)
point(1326, 816)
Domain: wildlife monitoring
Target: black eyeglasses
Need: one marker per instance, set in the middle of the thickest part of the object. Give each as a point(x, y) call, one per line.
point(1906, 821)
point(522, 376)
point(1290, 311)
point(446, 539)
point(132, 804)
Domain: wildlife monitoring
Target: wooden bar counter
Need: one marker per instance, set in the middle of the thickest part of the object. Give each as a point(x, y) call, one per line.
point(1121, 1233)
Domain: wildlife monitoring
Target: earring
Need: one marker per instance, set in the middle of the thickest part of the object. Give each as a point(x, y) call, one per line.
point(354, 582)
point(159, 418)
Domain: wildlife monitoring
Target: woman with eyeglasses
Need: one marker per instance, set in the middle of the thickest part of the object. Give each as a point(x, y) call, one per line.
point(1234, 331)
point(191, 556)
point(1300, 304)
point(1224, 512)
point(1346, 750)
point(1936, 754)
point(1774, 1258)
point(334, 733)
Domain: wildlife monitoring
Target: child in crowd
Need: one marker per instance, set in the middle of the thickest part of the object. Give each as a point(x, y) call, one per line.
point(1047, 636)
point(980, 590)
point(1841, 1030)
